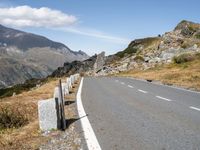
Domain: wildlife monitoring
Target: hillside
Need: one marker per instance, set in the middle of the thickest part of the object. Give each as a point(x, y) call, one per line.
point(19, 126)
point(185, 74)
point(175, 54)
point(26, 55)
point(171, 58)
point(88, 66)
point(148, 52)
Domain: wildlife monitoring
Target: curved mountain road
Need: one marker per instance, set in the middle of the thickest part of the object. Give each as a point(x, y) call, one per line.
point(128, 114)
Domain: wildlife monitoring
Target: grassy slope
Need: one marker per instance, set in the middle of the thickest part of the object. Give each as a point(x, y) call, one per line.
point(19, 88)
point(28, 136)
point(132, 47)
point(185, 74)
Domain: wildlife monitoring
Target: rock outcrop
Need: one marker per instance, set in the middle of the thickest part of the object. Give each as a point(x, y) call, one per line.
point(148, 52)
point(140, 54)
point(100, 62)
point(86, 66)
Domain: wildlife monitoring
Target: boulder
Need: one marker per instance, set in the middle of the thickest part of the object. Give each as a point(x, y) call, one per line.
point(100, 61)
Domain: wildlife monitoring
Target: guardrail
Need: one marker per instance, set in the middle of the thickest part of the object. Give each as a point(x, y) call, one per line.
point(52, 111)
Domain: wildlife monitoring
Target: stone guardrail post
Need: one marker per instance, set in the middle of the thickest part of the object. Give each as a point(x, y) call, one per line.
point(47, 115)
point(71, 78)
point(51, 112)
point(69, 83)
point(65, 89)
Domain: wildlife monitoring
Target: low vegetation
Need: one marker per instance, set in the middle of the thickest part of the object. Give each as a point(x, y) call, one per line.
point(19, 126)
point(197, 36)
point(127, 51)
point(185, 45)
point(133, 46)
point(139, 58)
point(19, 88)
point(19, 118)
point(186, 57)
point(14, 116)
point(183, 72)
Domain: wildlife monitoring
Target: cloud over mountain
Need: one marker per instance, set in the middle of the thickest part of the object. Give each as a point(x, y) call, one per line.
point(26, 16)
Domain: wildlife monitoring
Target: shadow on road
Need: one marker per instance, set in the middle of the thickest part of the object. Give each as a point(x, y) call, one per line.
point(72, 120)
point(69, 102)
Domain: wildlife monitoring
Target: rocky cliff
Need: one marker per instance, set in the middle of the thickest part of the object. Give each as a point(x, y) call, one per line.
point(140, 54)
point(89, 66)
point(86, 66)
point(25, 55)
point(149, 52)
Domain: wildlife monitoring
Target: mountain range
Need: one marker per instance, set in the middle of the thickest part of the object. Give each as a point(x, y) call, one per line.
point(19, 62)
point(25, 55)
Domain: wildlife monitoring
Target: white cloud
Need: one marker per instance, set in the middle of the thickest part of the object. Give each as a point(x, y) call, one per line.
point(26, 16)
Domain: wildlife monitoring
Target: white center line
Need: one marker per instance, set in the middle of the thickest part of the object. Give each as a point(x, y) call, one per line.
point(195, 108)
point(166, 99)
point(116, 80)
point(122, 83)
point(142, 91)
point(130, 86)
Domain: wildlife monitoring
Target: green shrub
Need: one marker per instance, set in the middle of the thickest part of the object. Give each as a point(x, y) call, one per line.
point(184, 58)
point(133, 47)
point(192, 29)
point(184, 46)
point(139, 58)
point(129, 50)
point(12, 116)
point(197, 36)
point(21, 87)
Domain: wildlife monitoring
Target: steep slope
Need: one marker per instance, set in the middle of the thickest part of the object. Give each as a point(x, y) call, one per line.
point(149, 52)
point(141, 54)
point(76, 67)
point(88, 67)
point(26, 55)
point(172, 58)
point(24, 41)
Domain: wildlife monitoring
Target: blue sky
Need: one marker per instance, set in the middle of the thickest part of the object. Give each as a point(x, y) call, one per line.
point(105, 25)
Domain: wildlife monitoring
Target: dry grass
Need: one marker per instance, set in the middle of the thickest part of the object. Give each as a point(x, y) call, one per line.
point(56, 139)
point(28, 136)
point(186, 75)
point(72, 98)
point(15, 116)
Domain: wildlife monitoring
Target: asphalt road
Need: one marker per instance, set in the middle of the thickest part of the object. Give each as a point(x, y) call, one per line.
point(128, 114)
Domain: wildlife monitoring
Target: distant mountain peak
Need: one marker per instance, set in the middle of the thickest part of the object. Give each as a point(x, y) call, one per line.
point(82, 53)
point(26, 40)
point(34, 56)
point(187, 24)
point(187, 28)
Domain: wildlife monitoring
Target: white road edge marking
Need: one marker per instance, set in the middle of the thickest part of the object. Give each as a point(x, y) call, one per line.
point(166, 99)
point(122, 83)
point(130, 86)
point(195, 108)
point(91, 140)
point(142, 91)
